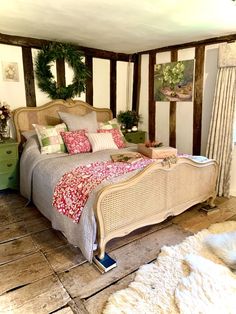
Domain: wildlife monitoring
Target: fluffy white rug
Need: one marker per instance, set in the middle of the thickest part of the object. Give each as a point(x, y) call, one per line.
point(186, 278)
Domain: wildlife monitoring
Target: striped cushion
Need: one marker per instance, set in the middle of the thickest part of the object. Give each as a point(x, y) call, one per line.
point(50, 139)
point(100, 141)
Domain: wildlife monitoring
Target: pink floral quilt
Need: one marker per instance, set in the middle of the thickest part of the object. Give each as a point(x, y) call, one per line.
point(72, 191)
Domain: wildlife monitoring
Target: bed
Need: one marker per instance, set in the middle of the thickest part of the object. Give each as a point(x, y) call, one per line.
point(116, 208)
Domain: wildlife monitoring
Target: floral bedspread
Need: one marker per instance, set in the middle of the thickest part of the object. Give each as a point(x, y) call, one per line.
point(72, 191)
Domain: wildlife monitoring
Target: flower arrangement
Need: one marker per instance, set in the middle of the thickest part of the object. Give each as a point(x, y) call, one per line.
point(129, 118)
point(5, 114)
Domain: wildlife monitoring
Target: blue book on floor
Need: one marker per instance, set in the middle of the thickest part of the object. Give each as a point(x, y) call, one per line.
point(105, 264)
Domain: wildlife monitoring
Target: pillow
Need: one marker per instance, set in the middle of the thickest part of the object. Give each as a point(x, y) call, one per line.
point(118, 139)
point(100, 141)
point(224, 246)
point(76, 142)
point(108, 125)
point(111, 124)
point(50, 139)
point(75, 122)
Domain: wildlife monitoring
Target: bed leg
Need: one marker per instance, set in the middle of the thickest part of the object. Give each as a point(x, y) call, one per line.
point(211, 201)
point(101, 250)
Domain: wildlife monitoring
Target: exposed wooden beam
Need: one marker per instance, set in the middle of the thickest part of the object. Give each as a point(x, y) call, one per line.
point(113, 87)
point(61, 74)
point(38, 43)
point(151, 100)
point(136, 83)
point(28, 77)
point(89, 83)
point(210, 41)
point(172, 125)
point(198, 94)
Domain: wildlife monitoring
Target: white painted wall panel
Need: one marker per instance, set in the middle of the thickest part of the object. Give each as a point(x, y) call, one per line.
point(124, 81)
point(13, 93)
point(101, 83)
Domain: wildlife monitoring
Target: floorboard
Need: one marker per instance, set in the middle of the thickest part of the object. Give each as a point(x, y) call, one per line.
point(41, 273)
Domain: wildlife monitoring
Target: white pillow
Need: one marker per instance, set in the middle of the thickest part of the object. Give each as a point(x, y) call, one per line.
point(100, 141)
point(75, 122)
point(224, 246)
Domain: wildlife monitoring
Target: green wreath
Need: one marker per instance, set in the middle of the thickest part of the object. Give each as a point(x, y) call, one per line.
point(45, 77)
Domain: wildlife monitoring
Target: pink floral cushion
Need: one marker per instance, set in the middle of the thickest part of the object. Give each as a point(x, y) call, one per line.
point(118, 139)
point(76, 142)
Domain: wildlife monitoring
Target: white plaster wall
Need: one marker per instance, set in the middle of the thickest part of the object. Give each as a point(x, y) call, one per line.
point(12, 93)
point(69, 73)
point(143, 98)
point(162, 108)
point(41, 97)
point(101, 83)
point(124, 87)
point(184, 113)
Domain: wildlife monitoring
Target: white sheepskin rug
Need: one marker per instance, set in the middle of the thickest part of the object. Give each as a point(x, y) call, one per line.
point(186, 278)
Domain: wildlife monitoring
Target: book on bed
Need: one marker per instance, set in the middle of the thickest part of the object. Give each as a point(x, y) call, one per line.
point(105, 264)
point(129, 157)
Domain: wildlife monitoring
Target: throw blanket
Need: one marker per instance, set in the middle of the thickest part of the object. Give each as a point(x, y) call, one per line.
point(186, 278)
point(73, 189)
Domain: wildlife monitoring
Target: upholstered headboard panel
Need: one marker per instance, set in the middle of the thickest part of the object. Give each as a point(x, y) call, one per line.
point(48, 114)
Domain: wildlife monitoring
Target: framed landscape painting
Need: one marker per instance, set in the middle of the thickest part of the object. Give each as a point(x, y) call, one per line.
point(173, 81)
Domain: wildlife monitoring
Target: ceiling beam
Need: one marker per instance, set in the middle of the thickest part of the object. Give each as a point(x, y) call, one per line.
point(39, 43)
point(210, 41)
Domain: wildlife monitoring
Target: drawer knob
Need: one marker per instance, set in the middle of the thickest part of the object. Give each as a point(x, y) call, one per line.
point(9, 152)
point(9, 165)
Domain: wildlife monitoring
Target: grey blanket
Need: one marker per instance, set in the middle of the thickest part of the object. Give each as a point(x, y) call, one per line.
point(39, 175)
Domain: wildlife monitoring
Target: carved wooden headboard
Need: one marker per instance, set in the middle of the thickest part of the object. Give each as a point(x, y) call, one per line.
point(48, 114)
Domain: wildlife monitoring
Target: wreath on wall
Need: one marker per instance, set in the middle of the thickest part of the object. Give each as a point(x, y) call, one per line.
point(45, 78)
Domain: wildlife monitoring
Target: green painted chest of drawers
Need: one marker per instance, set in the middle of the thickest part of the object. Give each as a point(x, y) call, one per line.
point(135, 137)
point(9, 164)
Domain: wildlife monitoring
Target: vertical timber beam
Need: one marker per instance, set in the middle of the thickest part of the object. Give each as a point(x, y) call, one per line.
point(198, 94)
point(61, 74)
point(172, 125)
point(89, 82)
point(136, 82)
point(29, 77)
point(113, 87)
point(151, 100)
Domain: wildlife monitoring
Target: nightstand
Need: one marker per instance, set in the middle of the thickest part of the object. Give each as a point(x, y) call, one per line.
point(8, 164)
point(135, 137)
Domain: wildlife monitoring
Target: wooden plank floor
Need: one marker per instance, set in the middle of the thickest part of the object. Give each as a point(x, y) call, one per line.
point(41, 273)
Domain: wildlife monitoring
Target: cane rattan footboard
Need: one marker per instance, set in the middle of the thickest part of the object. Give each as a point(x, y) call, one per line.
point(151, 196)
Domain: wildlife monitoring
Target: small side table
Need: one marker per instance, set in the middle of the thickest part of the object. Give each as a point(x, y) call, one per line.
point(135, 137)
point(9, 164)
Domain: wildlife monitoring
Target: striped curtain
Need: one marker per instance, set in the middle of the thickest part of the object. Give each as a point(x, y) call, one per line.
point(220, 139)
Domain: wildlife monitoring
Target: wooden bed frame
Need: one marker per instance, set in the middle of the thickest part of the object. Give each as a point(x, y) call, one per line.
point(147, 198)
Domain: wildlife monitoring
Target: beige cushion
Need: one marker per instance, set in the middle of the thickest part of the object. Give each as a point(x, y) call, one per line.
point(75, 122)
point(101, 141)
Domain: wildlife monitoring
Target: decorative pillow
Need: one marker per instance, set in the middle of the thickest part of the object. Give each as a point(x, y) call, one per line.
point(100, 141)
point(224, 246)
point(108, 125)
point(75, 122)
point(76, 142)
point(111, 124)
point(118, 139)
point(50, 139)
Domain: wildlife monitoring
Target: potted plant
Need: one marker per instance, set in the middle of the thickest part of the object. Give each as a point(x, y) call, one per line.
point(129, 118)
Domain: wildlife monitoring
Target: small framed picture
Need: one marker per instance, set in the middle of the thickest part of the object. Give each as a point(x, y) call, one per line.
point(10, 71)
